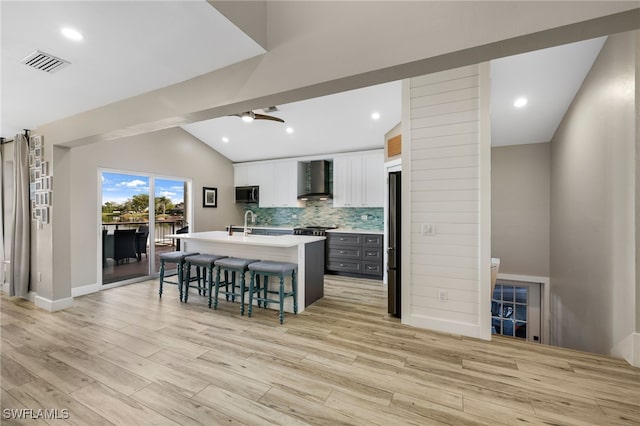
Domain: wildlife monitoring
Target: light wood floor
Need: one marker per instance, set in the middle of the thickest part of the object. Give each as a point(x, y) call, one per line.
point(122, 356)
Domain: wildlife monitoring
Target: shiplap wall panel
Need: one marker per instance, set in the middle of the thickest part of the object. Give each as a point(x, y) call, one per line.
point(443, 249)
point(466, 173)
point(447, 141)
point(444, 152)
point(445, 315)
point(445, 98)
point(446, 229)
point(439, 109)
point(445, 130)
point(447, 195)
point(445, 191)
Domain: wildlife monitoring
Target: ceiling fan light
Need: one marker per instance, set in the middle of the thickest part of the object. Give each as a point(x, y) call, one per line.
point(248, 116)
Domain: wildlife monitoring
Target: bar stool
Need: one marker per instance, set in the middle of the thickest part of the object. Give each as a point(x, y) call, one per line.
point(176, 257)
point(206, 262)
point(274, 269)
point(231, 265)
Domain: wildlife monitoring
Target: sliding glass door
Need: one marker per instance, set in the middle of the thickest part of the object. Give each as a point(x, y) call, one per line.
point(170, 213)
point(134, 226)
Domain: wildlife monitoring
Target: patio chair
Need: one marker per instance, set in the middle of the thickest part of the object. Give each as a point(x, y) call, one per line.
point(141, 242)
point(124, 245)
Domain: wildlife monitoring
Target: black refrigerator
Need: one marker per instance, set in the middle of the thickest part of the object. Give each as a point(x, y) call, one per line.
point(394, 249)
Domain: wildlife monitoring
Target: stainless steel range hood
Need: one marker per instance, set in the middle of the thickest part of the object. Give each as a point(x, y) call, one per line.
point(314, 180)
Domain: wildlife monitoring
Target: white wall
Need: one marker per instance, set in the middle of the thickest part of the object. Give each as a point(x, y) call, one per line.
point(593, 216)
point(448, 146)
point(520, 208)
point(170, 153)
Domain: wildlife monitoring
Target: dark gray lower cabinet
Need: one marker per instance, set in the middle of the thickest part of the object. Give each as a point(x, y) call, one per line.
point(357, 255)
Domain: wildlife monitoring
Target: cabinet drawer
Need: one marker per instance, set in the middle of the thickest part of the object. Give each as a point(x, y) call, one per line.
point(372, 268)
point(372, 240)
point(345, 252)
point(372, 254)
point(344, 239)
point(344, 265)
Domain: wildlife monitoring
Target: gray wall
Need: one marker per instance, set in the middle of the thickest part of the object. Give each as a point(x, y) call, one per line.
point(520, 208)
point(171, 153)
point(592, 208)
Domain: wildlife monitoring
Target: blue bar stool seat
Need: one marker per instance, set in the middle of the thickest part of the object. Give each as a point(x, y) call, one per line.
point(206, 263)
point(231, 266)
point(275, 269)
point(176, 257)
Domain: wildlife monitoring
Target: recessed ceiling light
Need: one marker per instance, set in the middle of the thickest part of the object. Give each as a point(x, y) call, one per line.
point(71, 33)
point(225, 139)
point(375, 115)
point(520, 102)
point(289, 130)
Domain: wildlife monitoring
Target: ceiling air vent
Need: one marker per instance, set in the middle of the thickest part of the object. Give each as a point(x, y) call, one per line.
point(45, 62)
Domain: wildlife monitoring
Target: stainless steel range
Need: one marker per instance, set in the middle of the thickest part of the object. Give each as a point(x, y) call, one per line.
point(318, 231)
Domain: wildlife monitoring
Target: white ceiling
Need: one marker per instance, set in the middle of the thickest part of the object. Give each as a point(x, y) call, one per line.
point(128, 48)
point(549, 79)
point(134, 47)
point(336, 123)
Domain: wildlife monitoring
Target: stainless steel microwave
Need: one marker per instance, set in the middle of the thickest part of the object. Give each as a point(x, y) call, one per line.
point(247, 194)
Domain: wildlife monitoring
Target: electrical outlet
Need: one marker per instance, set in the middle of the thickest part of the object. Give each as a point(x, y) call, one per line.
point(428, 229)
point(443, 296)
point(39, 276)
point(364, 217)
point(294, 216)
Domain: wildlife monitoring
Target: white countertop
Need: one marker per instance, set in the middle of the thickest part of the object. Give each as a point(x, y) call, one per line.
point(356, 231)
point(291, 228)
point(250, 240)
point(283, 228)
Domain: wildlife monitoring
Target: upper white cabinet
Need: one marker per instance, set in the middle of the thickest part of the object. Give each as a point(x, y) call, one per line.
point(358, 180)
point(246, 174)
point(279, 184)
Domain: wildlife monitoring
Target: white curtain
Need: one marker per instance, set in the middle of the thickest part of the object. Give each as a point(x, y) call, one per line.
point(2, 219)
point(21, 237)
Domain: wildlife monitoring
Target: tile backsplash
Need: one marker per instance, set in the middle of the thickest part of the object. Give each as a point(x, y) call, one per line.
point(320, 213)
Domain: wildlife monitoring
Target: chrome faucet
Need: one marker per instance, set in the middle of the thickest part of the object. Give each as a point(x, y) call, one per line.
point(253, 220)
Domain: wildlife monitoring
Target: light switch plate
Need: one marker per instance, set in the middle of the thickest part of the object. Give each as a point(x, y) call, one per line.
point(428, 229)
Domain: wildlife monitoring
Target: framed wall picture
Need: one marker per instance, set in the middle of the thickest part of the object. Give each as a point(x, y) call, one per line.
point(209, 197)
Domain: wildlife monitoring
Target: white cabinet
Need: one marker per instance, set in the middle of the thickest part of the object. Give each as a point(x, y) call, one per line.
point(358, 180)
point(246, 174)
point(279, 184)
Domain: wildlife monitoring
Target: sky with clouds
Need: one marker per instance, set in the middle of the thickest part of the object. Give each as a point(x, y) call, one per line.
point(118, 188)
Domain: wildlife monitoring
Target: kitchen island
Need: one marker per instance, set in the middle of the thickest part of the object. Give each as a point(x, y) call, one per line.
point(306, 251)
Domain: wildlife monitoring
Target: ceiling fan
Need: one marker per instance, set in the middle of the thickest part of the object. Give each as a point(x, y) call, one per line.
point(249, 116)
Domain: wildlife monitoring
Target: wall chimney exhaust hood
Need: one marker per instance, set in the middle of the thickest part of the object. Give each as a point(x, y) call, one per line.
point(314, 181)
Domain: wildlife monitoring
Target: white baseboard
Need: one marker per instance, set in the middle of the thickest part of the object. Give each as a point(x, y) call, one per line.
point(53, 305)
point(451, 327)
point(85, 289)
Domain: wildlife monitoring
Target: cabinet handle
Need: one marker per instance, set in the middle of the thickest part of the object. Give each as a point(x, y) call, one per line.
point(342, 252)
point(342, 265)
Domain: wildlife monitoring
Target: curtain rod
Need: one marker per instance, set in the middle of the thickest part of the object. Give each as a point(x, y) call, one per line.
point(5, 141)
